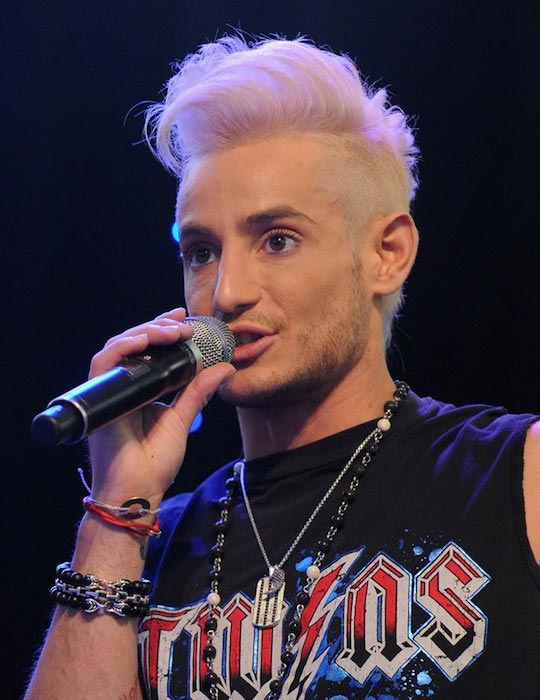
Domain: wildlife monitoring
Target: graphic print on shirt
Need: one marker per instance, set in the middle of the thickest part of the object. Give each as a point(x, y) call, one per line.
point(358, 632)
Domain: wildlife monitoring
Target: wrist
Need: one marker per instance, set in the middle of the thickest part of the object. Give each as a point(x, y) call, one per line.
point(115, 494)
point(92, 594)
point(108, 551)
point(130, 515)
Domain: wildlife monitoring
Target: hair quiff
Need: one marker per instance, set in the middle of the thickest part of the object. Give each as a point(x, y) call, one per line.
point(234, 90)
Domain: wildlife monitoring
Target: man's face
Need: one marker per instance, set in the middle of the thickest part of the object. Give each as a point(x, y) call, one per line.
point(266, 248)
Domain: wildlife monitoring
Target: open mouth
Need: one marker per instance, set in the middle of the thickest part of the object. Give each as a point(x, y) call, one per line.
point(250, 345)
point(245, 338)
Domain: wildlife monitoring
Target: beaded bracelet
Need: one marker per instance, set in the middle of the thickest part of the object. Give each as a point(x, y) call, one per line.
point(92, 594)
point(103, 512)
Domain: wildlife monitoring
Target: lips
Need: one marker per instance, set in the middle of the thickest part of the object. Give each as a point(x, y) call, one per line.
point(251, 342)
point(245, 338)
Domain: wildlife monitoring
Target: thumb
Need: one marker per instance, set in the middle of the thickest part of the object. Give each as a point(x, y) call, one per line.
point(188, 403)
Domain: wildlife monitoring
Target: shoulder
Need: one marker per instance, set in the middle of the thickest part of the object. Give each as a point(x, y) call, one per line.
point(531, 486)
point(473, 424)
point(486, 437)
point(480, 443)
point(532, 443)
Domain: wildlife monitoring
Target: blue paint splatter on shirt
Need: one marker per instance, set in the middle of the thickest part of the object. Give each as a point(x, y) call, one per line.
point(304, 563)
point(335, 673)
point(423, 678)
point(434, 554)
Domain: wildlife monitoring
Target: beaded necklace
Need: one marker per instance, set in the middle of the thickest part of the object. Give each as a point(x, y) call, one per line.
point(270, 589)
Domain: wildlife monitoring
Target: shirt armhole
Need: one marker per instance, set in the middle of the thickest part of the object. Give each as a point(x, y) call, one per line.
point(518, 502)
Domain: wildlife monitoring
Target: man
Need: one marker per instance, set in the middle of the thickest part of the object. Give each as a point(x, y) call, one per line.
point(369, 543)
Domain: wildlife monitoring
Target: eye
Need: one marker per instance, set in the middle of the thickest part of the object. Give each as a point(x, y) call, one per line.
point(197, 255)
point(280, 242)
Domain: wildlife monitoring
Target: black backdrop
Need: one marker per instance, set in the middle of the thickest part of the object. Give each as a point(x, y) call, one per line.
point(86, 250)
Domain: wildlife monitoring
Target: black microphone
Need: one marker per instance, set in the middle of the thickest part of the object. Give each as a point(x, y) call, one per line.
point(137, 381)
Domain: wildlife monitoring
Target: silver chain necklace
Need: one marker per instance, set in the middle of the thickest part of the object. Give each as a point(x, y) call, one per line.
point(271, 588)
point(271, 604)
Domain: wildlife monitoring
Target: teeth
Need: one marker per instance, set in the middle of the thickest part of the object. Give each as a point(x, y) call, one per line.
point(244, 338)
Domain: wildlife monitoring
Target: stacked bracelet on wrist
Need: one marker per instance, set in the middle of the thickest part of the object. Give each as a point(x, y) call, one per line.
point(91, 594)
point(123, 516)
point(131, 509)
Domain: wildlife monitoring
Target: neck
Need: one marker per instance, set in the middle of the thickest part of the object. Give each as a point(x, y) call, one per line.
point(358, 398)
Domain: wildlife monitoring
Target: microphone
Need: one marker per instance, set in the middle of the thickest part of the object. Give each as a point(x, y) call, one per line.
point(137, 381)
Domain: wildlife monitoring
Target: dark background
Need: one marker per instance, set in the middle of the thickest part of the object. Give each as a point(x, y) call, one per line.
point(86, 250)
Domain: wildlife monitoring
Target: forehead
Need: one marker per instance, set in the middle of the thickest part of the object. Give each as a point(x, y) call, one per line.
point(278, 171)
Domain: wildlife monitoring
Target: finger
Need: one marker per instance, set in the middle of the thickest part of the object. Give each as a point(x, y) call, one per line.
point(171, 317)
point(113, 354)
point(135, 341)
point(199, 391)
point(178, 314)
point(153, 329)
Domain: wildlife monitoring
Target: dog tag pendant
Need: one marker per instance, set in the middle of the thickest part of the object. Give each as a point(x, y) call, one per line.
point(269, 599)
point(277, 579)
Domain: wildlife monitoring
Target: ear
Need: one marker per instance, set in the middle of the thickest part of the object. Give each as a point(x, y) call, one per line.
point(394, 244)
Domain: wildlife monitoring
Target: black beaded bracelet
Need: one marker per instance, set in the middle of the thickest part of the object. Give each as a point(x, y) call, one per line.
point(92, 594)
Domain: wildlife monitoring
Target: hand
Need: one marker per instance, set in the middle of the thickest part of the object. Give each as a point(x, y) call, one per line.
point(140, 455)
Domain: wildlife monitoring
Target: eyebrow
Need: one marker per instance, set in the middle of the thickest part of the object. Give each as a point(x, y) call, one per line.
point(257, 219)
point(268, 216)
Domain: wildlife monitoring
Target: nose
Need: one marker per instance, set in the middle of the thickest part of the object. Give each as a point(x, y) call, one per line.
point(236, 286)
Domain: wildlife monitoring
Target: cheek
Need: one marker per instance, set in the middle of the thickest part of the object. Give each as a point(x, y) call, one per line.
point(314, 285)
point(198, 294)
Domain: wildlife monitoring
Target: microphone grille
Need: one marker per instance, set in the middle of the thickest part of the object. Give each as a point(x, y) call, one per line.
point(213, 338)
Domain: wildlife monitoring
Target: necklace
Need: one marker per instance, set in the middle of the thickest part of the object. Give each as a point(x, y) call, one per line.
point(270, 589)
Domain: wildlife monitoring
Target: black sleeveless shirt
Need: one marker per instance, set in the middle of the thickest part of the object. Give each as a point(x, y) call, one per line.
point(430, 589)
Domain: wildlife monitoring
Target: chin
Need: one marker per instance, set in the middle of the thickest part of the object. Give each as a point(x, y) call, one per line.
point(273, 391)
point(244, 393)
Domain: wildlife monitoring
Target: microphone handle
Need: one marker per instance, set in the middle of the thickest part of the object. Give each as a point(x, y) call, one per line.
point(138, 381)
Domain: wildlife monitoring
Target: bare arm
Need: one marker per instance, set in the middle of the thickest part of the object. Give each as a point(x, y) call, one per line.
point(94, 656)
point(531, 487)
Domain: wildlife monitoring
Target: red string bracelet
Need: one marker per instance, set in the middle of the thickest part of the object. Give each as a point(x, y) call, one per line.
point(137, 528)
